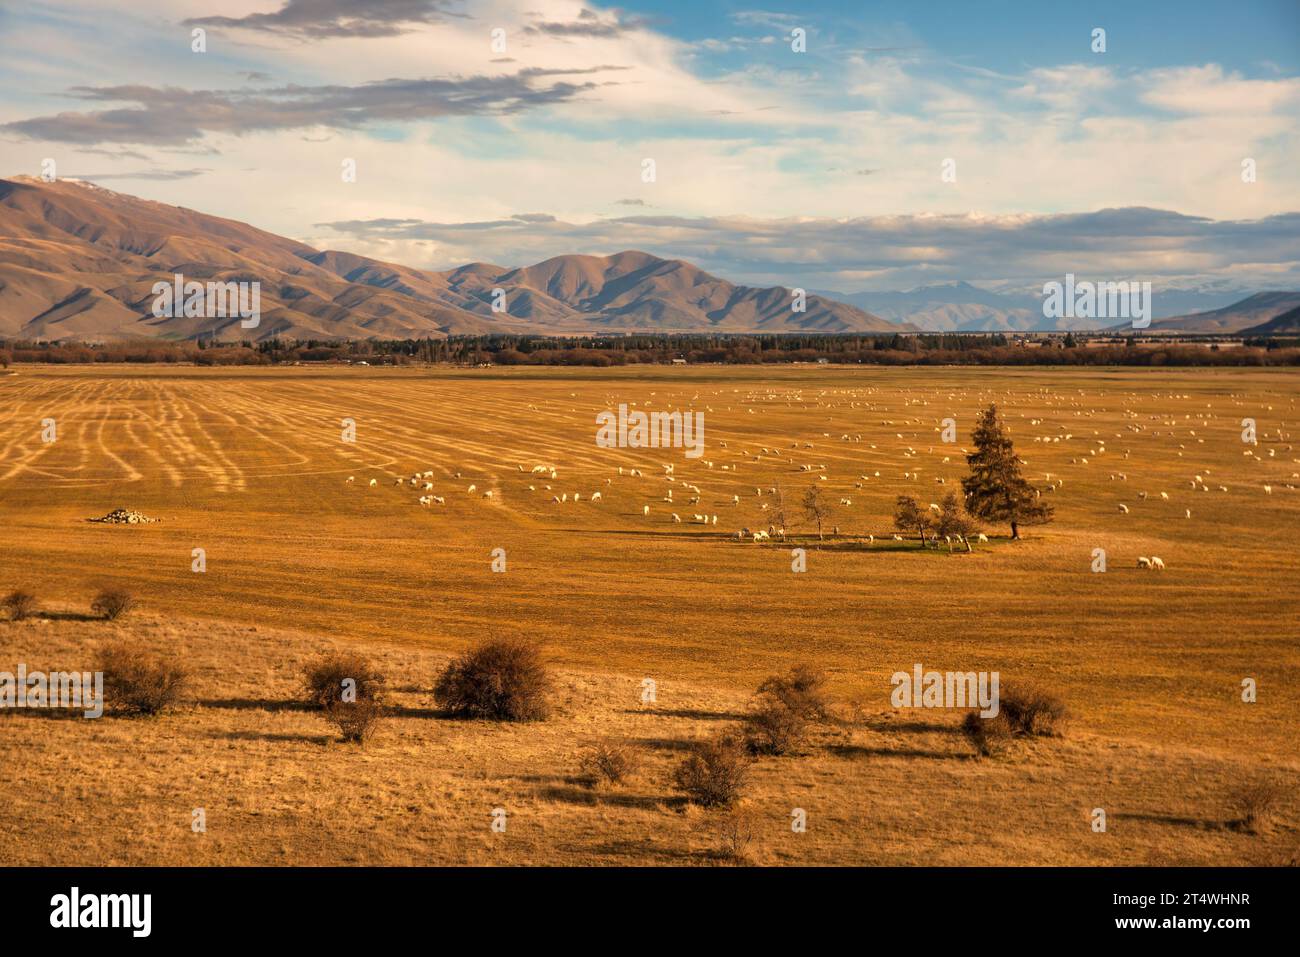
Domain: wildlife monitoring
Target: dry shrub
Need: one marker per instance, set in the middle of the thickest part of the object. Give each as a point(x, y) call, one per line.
point(773, 728)
point(21, 604)
point(140, 681)
point(112, 603)
point(730, 829)
point(609, 762)
point(800, 691)
point(715, 772)
point(1032, 711)
point(988, 736)
point(356, 720)
point(502, 679)
point(1255, 805)
point(323, 679)
point(777, 723)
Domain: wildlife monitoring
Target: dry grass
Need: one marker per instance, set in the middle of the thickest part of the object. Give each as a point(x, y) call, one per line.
point(280, 788)
point(247, 465)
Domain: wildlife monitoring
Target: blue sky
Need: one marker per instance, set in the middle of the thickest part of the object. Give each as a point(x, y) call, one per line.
point(909, 143)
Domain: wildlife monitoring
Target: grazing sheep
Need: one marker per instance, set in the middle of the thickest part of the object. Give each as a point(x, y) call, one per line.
point(374, 482)
point(440, 500)
point(1268, 490)
point(428, 487)
point(595, 496)
point(1124, 509)
point(351, 479)
point(487, 494)
point(472, 488)
point(1157, 563)
point(1144, 562)
point(982, 538)
point(645, 510)
point(1165, 496)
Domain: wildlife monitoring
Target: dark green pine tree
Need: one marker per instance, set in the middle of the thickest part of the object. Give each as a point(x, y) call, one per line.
point(995, 490)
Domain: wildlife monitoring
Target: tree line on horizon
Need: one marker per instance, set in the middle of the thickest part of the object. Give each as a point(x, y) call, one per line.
point(887, 349)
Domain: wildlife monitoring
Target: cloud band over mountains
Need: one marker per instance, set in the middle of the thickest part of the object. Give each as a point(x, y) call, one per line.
point(885, 252)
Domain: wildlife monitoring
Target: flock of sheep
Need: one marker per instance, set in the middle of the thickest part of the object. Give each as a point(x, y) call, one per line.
point(780, 459)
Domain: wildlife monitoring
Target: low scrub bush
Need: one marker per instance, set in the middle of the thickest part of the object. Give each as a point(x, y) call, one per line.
point(1032, 711)
point(716, 771)
point(609, 762)
point(1256, 805)
point(139, 681)
point(20, 604)
point(731, 830)
point(112, 603)
point(502, 679)
point(341, 678)
point(357, 720)
point(801, 690)
point(988, 736)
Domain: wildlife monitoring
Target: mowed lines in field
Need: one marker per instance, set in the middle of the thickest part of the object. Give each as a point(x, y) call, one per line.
point(252, 467)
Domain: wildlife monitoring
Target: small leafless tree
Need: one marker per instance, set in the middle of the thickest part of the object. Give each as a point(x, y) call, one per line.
point(816, 507)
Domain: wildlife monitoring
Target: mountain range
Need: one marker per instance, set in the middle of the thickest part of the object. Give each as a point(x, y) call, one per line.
point(79, 262)
point(962, 307)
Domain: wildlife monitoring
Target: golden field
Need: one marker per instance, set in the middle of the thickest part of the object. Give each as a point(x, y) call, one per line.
point(249, 465)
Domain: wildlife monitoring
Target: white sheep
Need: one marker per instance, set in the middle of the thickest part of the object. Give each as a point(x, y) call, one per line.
point(374, 482)
point(595, 496)
point(645, 510)
point(1144, 562)
point(1157, 563)
point(982, 538)
point(1124, 509)
point(351, 479)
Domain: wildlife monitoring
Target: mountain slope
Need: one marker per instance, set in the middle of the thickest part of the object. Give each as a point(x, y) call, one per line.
point(1288, 324)
point(1237, 317)
point(962, 307)
point(79, 262)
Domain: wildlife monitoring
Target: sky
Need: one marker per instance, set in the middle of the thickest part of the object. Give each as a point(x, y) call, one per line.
point(834, 146)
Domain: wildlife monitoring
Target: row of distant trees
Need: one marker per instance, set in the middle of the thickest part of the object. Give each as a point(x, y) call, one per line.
point(514, 350)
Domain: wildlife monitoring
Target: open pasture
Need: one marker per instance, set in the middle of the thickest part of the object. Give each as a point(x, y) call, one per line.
point(250, 465)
